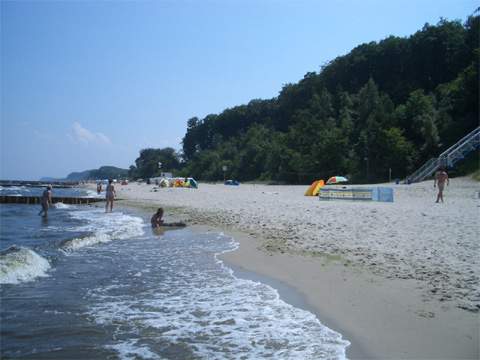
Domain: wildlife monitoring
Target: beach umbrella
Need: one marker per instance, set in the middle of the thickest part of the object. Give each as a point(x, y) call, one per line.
point(336, 180)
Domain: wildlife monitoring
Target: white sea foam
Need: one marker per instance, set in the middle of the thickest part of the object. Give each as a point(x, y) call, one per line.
point(103, 228)
point(91, 193)
point(61, 205)
point(129, 350)
point(201, 303)
point(19, 264)
point(15, 188)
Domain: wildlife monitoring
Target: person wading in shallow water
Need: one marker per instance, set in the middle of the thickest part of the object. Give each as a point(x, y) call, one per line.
point(110, 195)
point(441, 177)
point(46, 201)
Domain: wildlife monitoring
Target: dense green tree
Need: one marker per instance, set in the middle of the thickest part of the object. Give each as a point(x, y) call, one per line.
point(385, 105)
point(422, 115)
point(147, 164)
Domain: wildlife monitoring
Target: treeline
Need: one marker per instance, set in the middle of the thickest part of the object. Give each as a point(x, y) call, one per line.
point(104, 172)
point(387, 105)
point(152, 162)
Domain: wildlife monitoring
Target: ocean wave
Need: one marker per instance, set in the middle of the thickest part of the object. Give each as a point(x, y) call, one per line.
point(61, 205)
point(94, 194)
point(19, 264)
point(103, 228)
point(14, 188)
point(7, 189)
point(129, 350)
point(200, 303)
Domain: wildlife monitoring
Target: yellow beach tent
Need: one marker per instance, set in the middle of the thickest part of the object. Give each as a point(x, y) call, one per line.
point(314, 188)
point(310, 189)
point(319, 185)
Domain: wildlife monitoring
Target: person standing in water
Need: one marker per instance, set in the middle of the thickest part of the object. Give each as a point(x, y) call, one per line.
point(110, 195)
point(441, 177)
point(46, 201)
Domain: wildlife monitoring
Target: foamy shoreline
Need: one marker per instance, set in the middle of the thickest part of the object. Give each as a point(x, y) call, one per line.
point(428, 251)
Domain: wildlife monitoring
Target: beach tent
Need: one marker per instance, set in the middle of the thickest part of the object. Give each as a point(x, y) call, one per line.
point(232, 182)
point(193, 183)
point(178, 183)
point(310, 189)
point(319, 185)
point(314, 188)
point(164, 183)
point(190, 183)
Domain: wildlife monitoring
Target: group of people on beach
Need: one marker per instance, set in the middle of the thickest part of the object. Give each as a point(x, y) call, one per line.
point(156, 220)
point(441, 179)
point(46, 198)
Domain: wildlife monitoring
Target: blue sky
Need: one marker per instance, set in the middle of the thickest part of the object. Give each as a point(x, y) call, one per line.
point(90, 83)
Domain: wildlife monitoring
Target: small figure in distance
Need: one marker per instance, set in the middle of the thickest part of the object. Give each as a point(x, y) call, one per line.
point(46, 201)
point(110, 195)
point(156, 220)
point(441, 177)
point(99, 188)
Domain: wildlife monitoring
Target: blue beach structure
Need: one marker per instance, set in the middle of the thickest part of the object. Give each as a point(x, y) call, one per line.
point(383, 194)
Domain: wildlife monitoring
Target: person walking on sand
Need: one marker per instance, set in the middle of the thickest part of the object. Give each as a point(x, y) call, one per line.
point(110, 195)
point(46, 201)
point(441, 177)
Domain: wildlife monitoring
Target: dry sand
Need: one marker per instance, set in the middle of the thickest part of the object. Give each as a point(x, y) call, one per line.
point(399, 280)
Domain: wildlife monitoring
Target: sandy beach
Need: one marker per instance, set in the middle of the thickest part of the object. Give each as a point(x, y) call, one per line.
point(398, 280)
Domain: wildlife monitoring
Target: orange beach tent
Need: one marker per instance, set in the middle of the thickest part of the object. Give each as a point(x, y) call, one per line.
point(314, 188)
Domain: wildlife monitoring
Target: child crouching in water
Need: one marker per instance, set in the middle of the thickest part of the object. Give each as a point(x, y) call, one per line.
point(156, 220)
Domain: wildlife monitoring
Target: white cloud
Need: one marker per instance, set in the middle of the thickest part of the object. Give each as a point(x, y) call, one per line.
point(81, 135)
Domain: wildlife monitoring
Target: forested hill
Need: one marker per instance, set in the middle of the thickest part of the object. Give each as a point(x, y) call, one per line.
point(104, 172)
point(388, 104)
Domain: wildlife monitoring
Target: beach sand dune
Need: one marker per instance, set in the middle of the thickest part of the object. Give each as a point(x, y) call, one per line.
point(434, 248)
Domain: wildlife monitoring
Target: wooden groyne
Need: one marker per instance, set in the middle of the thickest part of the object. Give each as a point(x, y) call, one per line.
point(54, 184)
point(8, 199)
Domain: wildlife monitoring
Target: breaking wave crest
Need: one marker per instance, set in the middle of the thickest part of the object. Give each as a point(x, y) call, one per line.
point(61, 205)
point(19, 264)
point(103, 228)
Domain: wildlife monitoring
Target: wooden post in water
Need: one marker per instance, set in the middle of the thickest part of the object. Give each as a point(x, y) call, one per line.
point(9, 199)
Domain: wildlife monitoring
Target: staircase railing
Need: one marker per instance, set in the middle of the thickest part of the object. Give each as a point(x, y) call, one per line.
point(422, 172)
point(461, 148)
point(449, 157)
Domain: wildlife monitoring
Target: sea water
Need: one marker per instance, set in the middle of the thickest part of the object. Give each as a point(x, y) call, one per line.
point(87, 284)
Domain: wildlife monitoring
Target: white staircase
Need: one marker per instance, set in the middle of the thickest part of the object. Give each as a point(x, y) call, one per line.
point(449, 157)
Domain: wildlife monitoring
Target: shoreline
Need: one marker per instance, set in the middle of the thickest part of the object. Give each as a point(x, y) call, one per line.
point(383, 316)
point(381, 319)
point(286, 290)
